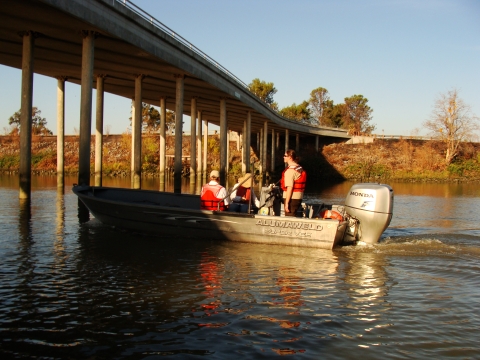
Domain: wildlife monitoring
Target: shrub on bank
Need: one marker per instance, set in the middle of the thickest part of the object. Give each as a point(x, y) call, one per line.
point(466, 168)
point(9, 162)
point(116, 169)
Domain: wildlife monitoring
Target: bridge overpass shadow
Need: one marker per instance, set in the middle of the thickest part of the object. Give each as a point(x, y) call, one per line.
point(319, 170)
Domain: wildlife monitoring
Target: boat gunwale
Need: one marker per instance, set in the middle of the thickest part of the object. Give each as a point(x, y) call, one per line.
point(81, 194)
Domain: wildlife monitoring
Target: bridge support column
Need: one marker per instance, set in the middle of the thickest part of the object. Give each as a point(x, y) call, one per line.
point(286, 140)
point(99, 130)
point(297, 143)
point(136, 166)
point(223, 141)
point(248, 141)
point(86, 107)
point(205, 148)
point(244, 147)
point(193, 140)
point(163, 142)
point(199, 147)
point(316, 143)
point(272, 161)
point(260, 156)
point(177, 177)
point(265, 152)
point(61, 133)
point(227, 168)
point(25, 170)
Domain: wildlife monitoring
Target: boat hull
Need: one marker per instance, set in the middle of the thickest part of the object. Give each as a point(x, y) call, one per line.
point(177, 215)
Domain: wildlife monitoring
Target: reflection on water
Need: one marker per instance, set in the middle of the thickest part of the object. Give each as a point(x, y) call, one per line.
point(211, 279)
point(366, 274)
point(85, 290)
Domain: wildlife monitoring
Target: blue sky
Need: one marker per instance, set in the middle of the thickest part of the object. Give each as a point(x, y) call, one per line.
point(399, 54)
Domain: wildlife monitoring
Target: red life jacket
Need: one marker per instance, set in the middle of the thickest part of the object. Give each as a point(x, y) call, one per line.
point(300, 183)
point(209, 200)
point(243, 192)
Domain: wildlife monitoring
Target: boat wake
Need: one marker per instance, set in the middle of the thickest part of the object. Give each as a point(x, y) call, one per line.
point(423, 245)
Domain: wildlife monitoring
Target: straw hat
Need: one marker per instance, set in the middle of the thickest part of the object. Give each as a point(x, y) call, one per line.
point(247, 184)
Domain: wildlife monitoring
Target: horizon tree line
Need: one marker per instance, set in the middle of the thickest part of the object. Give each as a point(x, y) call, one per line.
point(451, 122)
point(353, 114)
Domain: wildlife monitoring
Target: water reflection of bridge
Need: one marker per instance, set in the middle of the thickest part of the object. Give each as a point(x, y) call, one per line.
point(114, 46)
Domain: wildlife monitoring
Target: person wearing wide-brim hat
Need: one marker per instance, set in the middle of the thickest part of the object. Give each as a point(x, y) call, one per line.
point(242, 195)
point(245, 180)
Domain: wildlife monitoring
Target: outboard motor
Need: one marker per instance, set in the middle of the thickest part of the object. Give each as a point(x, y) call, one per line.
point(370, 208)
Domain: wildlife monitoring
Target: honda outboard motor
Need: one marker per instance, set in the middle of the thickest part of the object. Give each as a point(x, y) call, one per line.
point(370, 208)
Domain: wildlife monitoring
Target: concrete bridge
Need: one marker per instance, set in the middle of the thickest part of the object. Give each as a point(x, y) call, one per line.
point(114, 46)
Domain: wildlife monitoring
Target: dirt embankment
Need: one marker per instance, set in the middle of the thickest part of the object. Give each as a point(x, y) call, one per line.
point(116, 155)
point(410, 160)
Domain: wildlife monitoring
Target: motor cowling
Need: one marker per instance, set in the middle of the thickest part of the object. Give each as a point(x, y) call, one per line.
point(371, 204)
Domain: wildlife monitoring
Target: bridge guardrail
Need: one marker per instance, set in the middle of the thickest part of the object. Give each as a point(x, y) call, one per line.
point(166, 30)
point(161, 26)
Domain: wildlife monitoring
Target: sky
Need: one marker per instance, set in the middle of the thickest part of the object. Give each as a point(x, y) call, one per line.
point(399, 54)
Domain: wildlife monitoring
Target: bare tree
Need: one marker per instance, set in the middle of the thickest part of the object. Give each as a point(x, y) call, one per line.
point(452, 122)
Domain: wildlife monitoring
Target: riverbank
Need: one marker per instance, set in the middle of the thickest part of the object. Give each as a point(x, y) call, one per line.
point(403, 160)
point(380, 160)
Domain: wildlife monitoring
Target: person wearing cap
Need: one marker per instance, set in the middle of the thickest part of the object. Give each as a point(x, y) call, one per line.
point(294, 179)
point(242, 194)
point(213, 193)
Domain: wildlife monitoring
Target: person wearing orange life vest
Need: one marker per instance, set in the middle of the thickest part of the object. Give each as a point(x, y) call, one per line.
point(242, 194)
point(213, 193)
point(294, 179)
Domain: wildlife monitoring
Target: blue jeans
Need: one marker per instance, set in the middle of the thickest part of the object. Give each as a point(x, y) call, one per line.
point(238, 207)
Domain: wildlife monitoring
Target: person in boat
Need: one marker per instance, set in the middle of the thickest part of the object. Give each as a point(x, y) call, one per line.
point(213, 193)
point(242, 194)
point(294, 179)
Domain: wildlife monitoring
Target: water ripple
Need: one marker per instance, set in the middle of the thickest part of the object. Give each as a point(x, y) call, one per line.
point(71, 290)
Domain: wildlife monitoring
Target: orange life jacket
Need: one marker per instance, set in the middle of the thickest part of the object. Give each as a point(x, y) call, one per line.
point(330, 214)
point(243, 192)
point(209, 200)
point(300, 183)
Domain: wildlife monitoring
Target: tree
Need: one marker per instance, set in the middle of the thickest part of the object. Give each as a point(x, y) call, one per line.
point(299, 112)
point(170, 122)
point(452, 122)
point(357, 115)
point(264, 91)
point(317, 103)
point(39, 124)
point(151, 119)
point(333, 114)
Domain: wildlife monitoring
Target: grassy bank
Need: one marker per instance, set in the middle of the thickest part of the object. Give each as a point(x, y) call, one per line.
point(403, 160)
point(382, 160)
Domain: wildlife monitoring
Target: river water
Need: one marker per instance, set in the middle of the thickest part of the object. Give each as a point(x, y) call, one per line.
point(84, 290)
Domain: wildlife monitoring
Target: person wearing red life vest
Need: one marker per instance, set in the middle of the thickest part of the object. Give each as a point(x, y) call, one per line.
point(213, 193)
point(294, 179)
